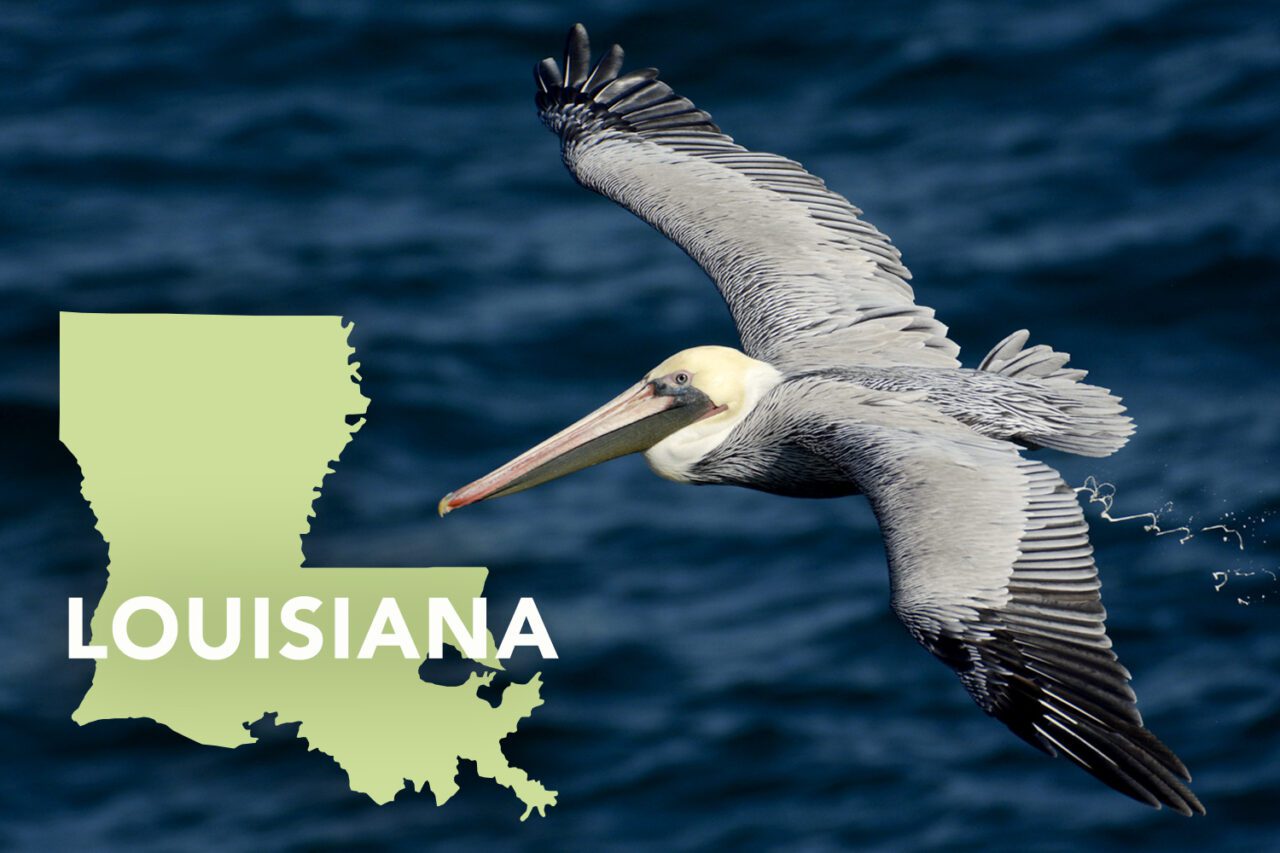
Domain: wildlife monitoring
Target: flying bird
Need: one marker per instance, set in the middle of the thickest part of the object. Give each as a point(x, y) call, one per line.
point(844, 385)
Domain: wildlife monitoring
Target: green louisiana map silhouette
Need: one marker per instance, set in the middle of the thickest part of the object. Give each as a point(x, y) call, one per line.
point(203, 441)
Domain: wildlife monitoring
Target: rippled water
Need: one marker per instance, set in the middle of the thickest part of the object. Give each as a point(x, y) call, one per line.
point(1104, 173)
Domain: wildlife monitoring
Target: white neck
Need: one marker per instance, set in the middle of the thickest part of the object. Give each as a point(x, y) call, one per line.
point(674, 457)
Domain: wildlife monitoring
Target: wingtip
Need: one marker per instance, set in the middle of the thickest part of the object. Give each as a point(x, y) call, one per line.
point(547, 73)
point(1187, 804)
point(605, 71)
point(577, 55)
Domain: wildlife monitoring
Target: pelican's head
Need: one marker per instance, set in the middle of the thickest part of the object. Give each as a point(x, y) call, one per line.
point(679, 412)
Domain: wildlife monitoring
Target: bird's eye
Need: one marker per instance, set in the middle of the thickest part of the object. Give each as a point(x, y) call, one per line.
point(681, 378)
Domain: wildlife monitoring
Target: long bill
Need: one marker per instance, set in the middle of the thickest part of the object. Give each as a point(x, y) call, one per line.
point(633, 421)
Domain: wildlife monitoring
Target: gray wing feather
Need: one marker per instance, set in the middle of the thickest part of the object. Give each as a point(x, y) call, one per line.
point(808, 282)
point(992, 571)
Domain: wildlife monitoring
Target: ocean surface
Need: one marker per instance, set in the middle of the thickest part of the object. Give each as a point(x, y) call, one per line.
point(1105, 173)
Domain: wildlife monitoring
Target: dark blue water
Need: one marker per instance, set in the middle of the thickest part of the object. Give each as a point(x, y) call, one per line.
point(1105, 173)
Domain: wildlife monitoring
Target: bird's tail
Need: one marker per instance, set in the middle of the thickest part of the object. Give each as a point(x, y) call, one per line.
point(1093, 423)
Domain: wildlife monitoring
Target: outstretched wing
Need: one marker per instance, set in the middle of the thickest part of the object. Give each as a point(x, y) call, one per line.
point(809, 284)
point(992, 571)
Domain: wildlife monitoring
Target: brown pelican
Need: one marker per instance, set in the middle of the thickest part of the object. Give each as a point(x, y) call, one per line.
point(846, 386)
